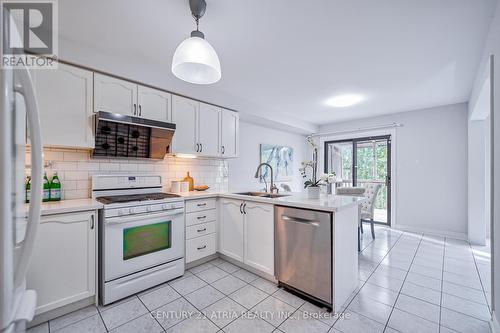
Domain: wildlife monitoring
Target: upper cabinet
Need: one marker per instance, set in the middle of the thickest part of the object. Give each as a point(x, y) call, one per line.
point(154, 104)
point(65, 99)
point(185, 118)
point(208, 129)
point(114, 95)
point(229, 127)
point(130, 99)
point(204, 129)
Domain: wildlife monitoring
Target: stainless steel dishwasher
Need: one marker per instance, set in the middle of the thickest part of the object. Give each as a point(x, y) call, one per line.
point(303, 252)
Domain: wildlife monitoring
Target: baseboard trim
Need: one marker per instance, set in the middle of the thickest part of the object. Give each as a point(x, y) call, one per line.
point(434, 232)
point(494, 325)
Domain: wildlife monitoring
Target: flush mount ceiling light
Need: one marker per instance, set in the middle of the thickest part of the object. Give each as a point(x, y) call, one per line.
point(195, 60)
point(342, 101)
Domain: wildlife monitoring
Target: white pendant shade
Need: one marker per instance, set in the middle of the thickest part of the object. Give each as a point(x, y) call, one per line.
point(196, 61)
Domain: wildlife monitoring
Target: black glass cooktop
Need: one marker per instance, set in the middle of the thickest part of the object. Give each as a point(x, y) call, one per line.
point(135, 197)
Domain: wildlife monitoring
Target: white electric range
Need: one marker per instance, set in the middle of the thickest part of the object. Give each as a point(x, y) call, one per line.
point(141, 234)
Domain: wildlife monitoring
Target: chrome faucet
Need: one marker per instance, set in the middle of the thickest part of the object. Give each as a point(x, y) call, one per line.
point(273, 186)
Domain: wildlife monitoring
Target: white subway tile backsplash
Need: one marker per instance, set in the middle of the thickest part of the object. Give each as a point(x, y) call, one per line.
point(75, 169)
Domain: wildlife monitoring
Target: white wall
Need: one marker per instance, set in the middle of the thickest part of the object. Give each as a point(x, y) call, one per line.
point(430, 180)
point(492, 47)
point(476, 182)
point(242, 169)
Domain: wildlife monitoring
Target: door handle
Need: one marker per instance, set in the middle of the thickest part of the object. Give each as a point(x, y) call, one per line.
point(135, 109)
point(201, 230)
point(241, 208)
point(201, 147)
point(140, 110)
point(201, 204)
point(202, 247)
point(245, 208)
point(223, 150)
point(201, 217)
point(197, 147)
point(92, 222)
point(300, 220)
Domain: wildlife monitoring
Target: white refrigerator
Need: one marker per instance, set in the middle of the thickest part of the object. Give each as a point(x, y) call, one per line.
point(18, 111)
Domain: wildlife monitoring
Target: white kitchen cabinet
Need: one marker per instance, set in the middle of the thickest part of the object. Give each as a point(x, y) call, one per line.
point(229, 138)
point(231, 229)
point(154, 104)
point(247, 233)
point(201, 233)
point(184, 116)
point(114, 95)
point(63, 267)
point(65, 98)
point(208, 129)
point(259, 236)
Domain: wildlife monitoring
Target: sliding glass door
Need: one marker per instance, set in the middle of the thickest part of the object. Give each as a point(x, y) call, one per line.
point(363, 161)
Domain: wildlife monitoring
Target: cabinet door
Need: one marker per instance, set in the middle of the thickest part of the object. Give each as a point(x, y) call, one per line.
point(231, 229)
point(259, 236)
point(184, 116)
point(62, 270)
point(229, 133)
point(65, 99)
point(154, 104)
point(208, 129)
point(114, 95)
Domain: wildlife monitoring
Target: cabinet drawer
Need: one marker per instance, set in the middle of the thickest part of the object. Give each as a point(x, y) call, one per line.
point(200, 247)
point(200, 230)
point(199, 205)
point(201, 217)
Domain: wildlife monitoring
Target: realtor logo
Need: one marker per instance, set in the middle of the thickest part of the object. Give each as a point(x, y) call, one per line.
point(29, 34)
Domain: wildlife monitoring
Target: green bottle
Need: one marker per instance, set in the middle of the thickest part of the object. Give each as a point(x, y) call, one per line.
point(46, 188)
point(28, 189)
point(55, 188)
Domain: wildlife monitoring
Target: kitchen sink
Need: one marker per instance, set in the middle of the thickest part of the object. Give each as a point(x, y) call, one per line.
point(263, 194)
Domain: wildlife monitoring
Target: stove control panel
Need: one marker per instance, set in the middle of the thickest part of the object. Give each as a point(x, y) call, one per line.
point(143, 209)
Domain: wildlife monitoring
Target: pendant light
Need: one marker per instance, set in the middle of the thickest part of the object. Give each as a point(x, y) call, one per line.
point(195, 60)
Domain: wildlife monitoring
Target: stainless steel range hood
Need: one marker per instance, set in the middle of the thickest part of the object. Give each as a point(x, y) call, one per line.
point(123, 136)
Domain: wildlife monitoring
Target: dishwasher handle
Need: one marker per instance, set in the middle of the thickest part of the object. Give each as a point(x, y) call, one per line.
point(314, 223)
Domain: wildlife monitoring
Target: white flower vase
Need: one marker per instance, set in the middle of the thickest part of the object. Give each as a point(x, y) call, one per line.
point(313, 192)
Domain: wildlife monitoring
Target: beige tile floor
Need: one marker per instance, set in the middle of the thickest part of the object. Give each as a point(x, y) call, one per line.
point(407, 283)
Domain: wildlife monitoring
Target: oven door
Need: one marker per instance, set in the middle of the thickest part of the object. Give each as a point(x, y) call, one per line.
point(137, 242)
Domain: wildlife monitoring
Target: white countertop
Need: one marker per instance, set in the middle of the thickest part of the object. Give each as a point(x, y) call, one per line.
point(329, 203)
point(68, 206)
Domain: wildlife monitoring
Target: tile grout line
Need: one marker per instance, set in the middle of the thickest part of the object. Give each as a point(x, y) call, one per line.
point(479, 275)
point(401, 288)
point(364, 282)
point(150, 312)
point(442, 285)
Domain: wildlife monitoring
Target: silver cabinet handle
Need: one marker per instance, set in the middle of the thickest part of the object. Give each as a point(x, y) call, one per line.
point(245, 208)
point(201, 230)
point(223, 150)
point(202, 247)
point(197, 147)
point(201, 217)
point(140, 110)
point(201, 147)
point(92, 222)
point(201, 204)
point(300, 220)
point(135, 109)
point(241, 208)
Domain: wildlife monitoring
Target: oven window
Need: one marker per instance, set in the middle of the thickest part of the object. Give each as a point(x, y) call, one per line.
point(145, 239)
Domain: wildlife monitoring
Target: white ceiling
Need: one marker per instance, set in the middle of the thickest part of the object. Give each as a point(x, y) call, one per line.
point(282, 59)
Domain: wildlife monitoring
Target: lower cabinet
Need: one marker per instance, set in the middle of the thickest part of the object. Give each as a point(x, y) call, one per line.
point(63, 267)
point(201, 216)
point(247, 233)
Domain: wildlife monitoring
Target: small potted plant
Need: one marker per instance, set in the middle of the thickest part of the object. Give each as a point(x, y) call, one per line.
point(311, 184)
